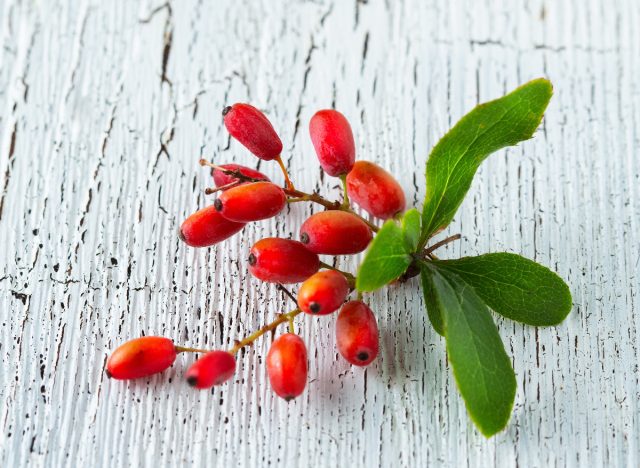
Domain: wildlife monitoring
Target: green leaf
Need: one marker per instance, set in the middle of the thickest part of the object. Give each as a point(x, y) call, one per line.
point(480, 364)
point(515, 287)
point(387, 258)
point(411, 229)
point(433, 307)
point(487, 128)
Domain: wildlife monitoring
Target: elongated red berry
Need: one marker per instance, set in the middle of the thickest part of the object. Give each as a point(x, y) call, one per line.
point(287, 366)
point(251, 127)
point(375, 190)
point(278, 260)
point(214, 368)
point(323, 293)
point(221, 179)
point(207, 227)
point(141, 357)
point(357, 333)
point(251, 202)
point(335, 232)
point(332, 138)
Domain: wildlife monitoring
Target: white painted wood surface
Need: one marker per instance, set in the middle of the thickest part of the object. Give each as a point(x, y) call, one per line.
point(105, 108)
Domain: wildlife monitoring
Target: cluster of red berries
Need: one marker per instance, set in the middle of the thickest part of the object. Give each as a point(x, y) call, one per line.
point(246, 195)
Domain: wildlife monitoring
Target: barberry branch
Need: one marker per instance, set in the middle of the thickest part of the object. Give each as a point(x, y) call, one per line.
point(295, 194)
point(282, 318)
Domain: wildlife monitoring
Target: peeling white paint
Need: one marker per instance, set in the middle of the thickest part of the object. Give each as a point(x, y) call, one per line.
point(99, 144)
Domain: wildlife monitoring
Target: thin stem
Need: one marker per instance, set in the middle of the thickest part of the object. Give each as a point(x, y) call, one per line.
point(212, 190)
point(286, 174)
point(347, 275)
point(183, 349)
point(232, 172)
point(443, 242)
point(287, 292)
point(292, 327)
point(345, 200)
point(267, 328)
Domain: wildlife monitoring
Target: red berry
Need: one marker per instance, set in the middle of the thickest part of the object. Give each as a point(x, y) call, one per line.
point(141, 357)
point(357, 333)
point(207, 227)
point(214, 368)
point(375, 190)
point(251, 127)
point(251, 202)
point(333, 140)
point(335, 232)
point(323, 292)
point(287, 366)
point(278, 260)
point(221, 179)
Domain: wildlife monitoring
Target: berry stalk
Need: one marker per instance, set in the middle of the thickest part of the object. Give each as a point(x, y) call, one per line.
point(282, 318)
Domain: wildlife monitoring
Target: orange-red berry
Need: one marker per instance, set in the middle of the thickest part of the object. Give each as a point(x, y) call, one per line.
point(287, 366)
point(214, 368)
point(357, 333)
point(335, 232)
point(251, 202)
point(220, 178)
point(207, 227)
point(323, 293)
point(375, 190)
point(278, 260)
point(251, 127)
point(141, 357)
point(332, 139)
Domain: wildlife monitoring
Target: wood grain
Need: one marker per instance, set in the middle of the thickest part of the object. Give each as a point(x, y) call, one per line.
point(105, 108)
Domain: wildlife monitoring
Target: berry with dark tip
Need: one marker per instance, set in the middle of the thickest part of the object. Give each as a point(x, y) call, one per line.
point(276, 260)
point(332, 139)
point(141, 357)
point(323, 293)
point(252, 129)
point(375, 190)
point(357, 333)
point(207, 227)
point(221, 179)
point(253, 201)
point(335, 232)
point(287, 366)
point(214, 368)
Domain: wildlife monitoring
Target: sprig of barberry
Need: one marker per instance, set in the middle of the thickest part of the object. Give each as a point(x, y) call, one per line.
point(246, 195)
point(457, 293)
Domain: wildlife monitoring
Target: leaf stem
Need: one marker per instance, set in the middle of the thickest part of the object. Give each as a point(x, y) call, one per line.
point(442, 243)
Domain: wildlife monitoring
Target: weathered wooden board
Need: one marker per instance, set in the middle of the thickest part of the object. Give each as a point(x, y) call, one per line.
point(105, 108)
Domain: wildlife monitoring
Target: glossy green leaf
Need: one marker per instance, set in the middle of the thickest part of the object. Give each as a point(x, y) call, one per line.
point(433, 306)
point(480, 364)
point(515, 287)
point(487, 128)
point(411, 229)
point(386, 259)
